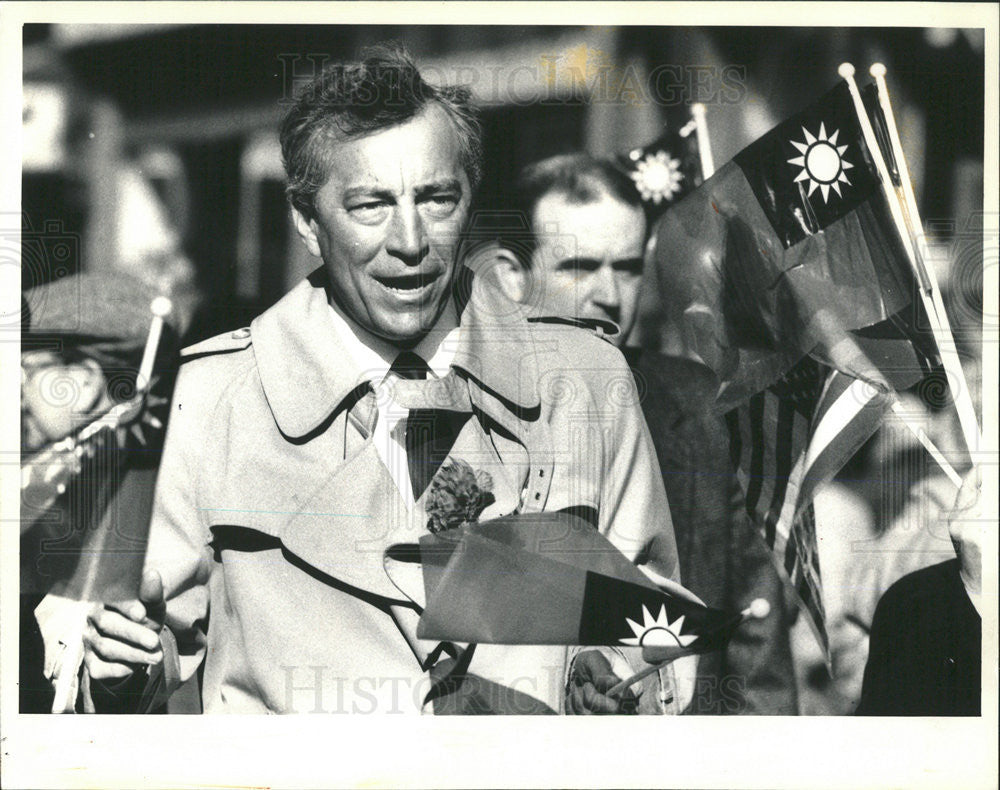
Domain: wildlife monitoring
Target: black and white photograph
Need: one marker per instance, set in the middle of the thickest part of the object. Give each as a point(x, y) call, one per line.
point(408, 370)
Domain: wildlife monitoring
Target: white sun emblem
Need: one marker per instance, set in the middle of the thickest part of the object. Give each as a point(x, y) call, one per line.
point(659, 632)
point(822, 162)
point(657, 176)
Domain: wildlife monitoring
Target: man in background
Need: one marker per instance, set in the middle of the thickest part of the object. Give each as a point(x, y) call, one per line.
point(82, 340)
point(584, 260)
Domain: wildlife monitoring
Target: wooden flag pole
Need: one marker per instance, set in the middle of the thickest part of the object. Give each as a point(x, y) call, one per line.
point(943, 337)
point(964, 405)
point(910, 202)
point(704, 146)
point(618, 688)
point(160, 307)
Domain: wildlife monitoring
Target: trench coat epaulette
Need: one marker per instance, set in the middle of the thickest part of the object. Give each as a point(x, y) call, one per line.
point(598, 327)
point(236, 340)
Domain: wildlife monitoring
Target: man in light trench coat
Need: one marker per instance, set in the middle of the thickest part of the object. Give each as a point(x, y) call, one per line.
point(288, 469)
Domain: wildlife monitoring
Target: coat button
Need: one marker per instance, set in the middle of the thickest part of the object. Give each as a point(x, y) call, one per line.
point(241, 334)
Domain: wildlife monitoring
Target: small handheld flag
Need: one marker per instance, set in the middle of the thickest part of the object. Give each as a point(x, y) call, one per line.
point(790, 276)
point(670, 167)
point(111, 559)
point(790, 249)
point(551, 579)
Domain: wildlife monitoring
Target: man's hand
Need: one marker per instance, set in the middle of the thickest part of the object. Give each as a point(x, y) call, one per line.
point(966, 533)
point(120, 636)
point(590, 679)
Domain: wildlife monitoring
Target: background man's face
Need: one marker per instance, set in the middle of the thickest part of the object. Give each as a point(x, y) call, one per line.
point(57, 397)
point(588, 259)
point(387, 225)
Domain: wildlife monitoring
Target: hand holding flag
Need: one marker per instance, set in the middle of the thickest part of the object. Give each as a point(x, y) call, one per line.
point(110, 566)
point(550, 579)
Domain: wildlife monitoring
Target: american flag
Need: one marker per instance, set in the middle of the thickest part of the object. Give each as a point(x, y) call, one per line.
point(785, 442)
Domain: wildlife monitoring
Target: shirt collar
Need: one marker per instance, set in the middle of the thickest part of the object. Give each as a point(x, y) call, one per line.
point(373, 356)
point(308, 364)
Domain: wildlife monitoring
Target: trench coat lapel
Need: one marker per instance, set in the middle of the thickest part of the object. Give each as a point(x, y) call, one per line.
point(344, 527)
point(355, 512)
point(305, 369)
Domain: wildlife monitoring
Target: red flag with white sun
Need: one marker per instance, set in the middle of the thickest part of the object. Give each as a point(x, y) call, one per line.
point(789, 256)
point(550, 579)
point(790, 249)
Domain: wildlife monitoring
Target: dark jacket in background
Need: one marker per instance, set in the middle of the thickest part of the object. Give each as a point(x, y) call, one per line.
point(925, 654)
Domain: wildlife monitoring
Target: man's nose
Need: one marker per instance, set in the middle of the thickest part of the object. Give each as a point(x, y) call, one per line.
point(606, 292)
point(407, 239)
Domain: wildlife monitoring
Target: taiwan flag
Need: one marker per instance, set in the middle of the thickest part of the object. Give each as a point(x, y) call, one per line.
point(790, 249)
point(665, 170)
point(787, 275)
point(552, 579)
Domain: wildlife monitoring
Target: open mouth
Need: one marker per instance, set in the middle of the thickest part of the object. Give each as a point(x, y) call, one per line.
point(408, 283)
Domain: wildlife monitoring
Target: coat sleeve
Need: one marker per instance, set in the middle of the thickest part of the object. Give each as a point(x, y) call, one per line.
point(178, 536)
point(634, 514)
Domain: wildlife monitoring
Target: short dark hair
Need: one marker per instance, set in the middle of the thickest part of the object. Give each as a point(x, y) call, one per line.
point(348, 101)
point(579, 178)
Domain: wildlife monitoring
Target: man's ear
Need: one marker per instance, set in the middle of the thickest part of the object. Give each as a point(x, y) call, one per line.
point(506, 270)
point(307, 232)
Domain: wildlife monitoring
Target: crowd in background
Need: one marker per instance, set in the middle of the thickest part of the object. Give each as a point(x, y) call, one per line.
point(156, 211)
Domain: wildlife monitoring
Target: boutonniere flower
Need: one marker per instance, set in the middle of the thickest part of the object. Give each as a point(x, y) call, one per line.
point(458, 495)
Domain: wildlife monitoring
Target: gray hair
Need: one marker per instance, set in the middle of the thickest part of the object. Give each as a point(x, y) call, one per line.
point(348, 101)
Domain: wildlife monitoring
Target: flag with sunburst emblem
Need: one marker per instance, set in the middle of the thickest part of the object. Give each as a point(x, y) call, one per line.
point(552, 579)
point(814, 169)
point(86, 495)
point(789, 249)
point(110, 496)
point(791, 282)
point(664, 170)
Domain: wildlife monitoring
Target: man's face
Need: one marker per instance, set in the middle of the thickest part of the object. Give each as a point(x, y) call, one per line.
point(57, 397)
point(387, 225)
point(588, 259)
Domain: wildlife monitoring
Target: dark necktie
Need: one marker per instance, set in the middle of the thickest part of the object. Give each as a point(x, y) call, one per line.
point(430, 433)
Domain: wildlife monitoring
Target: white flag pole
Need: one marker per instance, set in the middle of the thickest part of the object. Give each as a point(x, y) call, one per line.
point(952, 365)
point(160, 307)
point(704, 146)
point(922, 437)
point(949, 354)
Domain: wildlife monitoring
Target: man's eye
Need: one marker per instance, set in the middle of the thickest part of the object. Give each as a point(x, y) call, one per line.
point(371, 211)
point(631, 266)
point(440, 205)
point(578, 266)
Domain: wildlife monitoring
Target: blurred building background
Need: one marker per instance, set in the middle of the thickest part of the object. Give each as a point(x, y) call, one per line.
point(154, 148)
point(194, 109)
